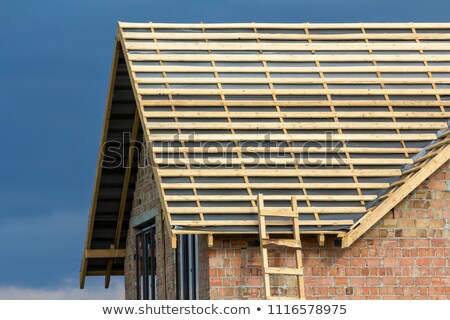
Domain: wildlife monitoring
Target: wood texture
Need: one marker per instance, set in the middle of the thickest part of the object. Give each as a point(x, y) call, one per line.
point(244, 85)
point(267, 244)
point(104, 253)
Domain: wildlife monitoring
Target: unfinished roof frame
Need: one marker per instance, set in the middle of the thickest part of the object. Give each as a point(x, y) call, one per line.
point(192, 82)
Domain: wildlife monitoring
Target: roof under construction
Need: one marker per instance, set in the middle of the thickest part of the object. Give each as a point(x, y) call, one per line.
point(348, 118)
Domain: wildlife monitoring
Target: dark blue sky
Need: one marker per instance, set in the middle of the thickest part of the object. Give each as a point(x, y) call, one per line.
point(55, 60)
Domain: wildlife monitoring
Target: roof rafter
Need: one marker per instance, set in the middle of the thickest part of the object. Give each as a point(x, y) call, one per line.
point(124, 194)
point(396, 196)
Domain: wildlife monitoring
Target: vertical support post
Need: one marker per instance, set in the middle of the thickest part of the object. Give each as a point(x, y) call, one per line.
point(262, 236)
point(298, 251)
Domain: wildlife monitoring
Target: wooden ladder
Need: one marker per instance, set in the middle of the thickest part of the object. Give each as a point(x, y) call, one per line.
point(294, 243)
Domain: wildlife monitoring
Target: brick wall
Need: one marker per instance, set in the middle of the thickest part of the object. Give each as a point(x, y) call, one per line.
point(166, 268)
point(404, 256)
point(203, 268)
point(145, 198)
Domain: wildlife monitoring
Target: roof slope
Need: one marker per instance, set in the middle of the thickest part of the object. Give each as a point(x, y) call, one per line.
point(350, 118)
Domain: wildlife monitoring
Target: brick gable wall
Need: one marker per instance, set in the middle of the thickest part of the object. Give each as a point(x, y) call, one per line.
point(404, 256)
point(146, 197)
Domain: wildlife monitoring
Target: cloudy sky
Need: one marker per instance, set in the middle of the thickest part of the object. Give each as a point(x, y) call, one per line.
point(54, 67)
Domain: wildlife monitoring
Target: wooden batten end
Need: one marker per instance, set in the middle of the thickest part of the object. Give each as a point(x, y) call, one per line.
point(321, 239)
point(174, 241)
point(210, 240)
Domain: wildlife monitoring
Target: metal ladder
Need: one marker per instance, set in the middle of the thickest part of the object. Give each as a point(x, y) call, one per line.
point(294, 243)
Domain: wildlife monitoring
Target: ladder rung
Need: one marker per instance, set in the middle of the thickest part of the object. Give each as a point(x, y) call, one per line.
point(289, 271)
point(279, 213)
point(290, 243)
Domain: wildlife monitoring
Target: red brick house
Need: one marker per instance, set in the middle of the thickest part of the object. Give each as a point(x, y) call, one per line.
point(336, 131)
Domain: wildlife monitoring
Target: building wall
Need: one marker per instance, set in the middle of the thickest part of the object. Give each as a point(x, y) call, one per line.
point(404, 256)
point(146, 198)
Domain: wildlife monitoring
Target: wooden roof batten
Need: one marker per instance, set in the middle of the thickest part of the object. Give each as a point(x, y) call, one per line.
point(348, 118)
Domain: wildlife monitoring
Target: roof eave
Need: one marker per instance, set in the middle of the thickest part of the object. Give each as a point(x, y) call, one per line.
point(98, 174)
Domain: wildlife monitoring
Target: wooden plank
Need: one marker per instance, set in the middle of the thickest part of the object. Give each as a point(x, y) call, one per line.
point(226, 223)
point(183, 36)
point(325, 186)
point(341, 69)
point(338, 233)
point(104, 253)
point(293, 137)
point(288, 243)
point(398, 195)
point(270, 197)
point(263, 235)
point(298, 251)
point(439, 144)
point(304, 126)
point(210, 240)
point(278, 173)
point(243, 46)
point(251, 57)
point(260, 205)
point(308, 161)
point(321, 239)
point(173, 241)
point(109, 267)
point(297, 115)
point(291, 26)
point(299, 103)
point(293, 91)
point(273, 211)
point(427, 156)
point(309, 150)
point(344, 82)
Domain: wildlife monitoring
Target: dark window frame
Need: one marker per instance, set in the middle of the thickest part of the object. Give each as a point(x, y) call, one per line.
point(187, 267)
point(146, 276)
